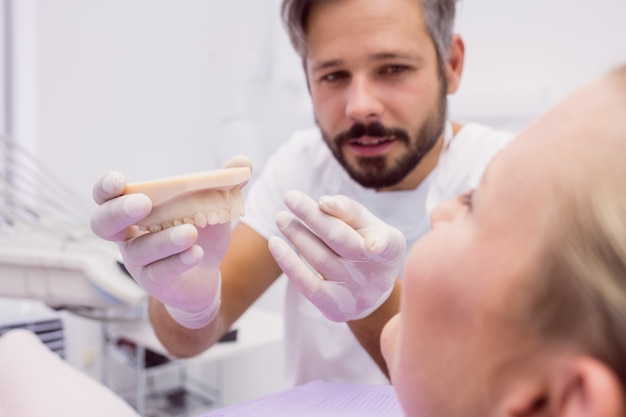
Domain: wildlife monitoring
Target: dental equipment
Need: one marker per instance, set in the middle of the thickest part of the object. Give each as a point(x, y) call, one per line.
point(47, 249)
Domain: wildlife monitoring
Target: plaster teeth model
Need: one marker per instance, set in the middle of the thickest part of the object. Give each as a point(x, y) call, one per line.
point(203, 198)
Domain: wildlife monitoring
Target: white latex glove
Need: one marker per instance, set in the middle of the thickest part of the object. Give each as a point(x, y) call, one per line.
point(355, 257)
point(178, 266)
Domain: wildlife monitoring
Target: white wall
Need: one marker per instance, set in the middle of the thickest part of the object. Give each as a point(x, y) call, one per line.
point(154, 88)
point(158, 87)
point(524, 56)
point(4, 93)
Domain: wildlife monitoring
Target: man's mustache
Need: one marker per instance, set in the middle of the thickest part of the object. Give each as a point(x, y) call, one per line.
point(373, 129)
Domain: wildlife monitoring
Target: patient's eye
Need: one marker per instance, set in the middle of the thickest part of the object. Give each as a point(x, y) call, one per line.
point(466, 198)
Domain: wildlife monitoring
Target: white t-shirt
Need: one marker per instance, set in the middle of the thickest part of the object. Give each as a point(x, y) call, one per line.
point(317, 348)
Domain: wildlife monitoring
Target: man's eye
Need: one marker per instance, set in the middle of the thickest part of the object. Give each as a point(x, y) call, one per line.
point(334, 76)
point(466, 198)
point(394, 69)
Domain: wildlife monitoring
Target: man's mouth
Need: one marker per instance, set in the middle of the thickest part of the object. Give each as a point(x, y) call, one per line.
point(370, 146)
point(369, 141)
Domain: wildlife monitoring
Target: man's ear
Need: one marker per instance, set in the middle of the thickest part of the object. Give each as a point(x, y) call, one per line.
point(454, 65)
point(589, 389)
point(306, 75)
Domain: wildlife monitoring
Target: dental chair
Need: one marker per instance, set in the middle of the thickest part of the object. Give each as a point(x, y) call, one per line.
point(48, 253)
point(47, 249)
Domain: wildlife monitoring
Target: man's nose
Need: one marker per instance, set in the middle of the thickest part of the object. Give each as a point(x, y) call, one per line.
point(362, 102)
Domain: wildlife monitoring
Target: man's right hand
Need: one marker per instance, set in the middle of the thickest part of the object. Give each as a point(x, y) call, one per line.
point(168, 264)
point(179, 265)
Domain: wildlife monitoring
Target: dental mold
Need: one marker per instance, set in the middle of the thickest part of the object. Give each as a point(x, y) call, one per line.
point(202, 198)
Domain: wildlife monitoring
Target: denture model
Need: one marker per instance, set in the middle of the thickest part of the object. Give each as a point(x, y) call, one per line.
point(203, 198)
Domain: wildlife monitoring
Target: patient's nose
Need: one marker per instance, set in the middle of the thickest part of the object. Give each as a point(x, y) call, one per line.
point(445, 212)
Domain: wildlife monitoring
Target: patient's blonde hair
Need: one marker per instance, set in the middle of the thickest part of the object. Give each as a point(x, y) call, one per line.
point(581, 299)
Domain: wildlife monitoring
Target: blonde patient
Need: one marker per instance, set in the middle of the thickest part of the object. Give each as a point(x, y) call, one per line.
point(518, 294)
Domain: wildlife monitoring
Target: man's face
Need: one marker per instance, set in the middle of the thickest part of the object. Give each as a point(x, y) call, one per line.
point(379, 98)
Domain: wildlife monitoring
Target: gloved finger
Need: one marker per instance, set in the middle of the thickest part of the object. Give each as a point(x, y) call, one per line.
point(110, 185)
point(237, 162)
point(113, 219)
point(380, 238)
point(162, 279)
point(333, 231)
point(350, 211)
point(151, 247)
point(318, 255)
point(306, 280)
point(385, 243)
point(215, 240)
point(334, 300)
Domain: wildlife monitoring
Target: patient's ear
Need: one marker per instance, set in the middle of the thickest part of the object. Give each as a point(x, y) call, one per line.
point(579, 387)
point(590, 389)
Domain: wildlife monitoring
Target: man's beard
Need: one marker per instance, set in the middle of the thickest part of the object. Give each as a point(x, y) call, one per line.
point(375, 171)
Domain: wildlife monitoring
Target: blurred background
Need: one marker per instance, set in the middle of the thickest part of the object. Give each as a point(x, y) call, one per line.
point(162, 87)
